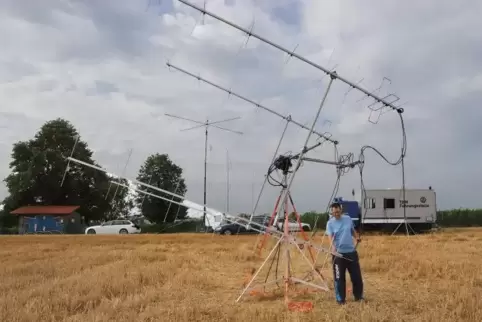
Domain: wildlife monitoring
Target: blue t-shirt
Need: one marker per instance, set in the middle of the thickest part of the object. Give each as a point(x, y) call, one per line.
point(342, 229)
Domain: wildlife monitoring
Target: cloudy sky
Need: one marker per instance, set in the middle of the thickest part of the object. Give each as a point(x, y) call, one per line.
point(102, 66)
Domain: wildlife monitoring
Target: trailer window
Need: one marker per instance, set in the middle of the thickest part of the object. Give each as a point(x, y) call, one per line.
point(369, 203)
point(389, 203)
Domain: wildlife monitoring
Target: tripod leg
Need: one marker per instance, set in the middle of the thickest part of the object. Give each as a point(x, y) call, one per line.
point(259, 269)
point(287, 275)
point(274, 216)
point(260, 246)
point(305, 237)
point(312, 265)
point(396, 229)
point(303, 234)
point(287, 253)
point(298, 218)
point(275, 257)
point(277, 263)
point(411, 228)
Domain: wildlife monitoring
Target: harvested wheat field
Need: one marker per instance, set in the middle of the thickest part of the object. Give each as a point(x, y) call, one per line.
point(435, 277)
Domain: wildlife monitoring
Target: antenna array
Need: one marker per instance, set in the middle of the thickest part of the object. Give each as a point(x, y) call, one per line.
point(283, 236)
point(378, 105)
point(332, 74)
point(287, 118)
point(206, 124)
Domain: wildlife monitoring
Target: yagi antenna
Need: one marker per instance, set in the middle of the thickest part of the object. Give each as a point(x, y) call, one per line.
point(195, 206)
point(332, 74)
point(206, 125)
point(139, 183)
point(77, 137)
point(286, 118)
point(175, 191)
point(123, 173)
point(287, 181)
point(380, 108)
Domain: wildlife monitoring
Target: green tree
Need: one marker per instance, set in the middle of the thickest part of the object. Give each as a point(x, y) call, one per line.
point(313, 217)
point(161, 172)
point(37, 170)
point(6, 220)
point(121, 199)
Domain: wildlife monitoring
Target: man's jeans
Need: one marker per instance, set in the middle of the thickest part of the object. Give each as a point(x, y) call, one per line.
point(340, 265)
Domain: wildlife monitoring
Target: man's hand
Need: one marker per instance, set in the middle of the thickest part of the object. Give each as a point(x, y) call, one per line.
point(357, 236)
point(334, 252)
point(358, 240)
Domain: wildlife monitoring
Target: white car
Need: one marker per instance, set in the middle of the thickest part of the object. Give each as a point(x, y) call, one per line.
point(114, 227)
point(293, 226)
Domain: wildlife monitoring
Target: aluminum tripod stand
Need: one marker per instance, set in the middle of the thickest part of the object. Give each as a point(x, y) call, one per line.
point(283, 245)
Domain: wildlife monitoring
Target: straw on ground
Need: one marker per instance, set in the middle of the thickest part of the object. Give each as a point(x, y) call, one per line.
point(435, 277)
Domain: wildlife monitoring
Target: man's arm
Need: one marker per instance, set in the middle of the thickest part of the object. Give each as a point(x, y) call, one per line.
point(354, 232)
point(328, 230)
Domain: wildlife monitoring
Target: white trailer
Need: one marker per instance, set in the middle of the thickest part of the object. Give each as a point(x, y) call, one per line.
point(383, 207)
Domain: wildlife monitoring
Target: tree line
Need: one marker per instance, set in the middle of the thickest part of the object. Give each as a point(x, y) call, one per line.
point(37, 178)
point(460, 218)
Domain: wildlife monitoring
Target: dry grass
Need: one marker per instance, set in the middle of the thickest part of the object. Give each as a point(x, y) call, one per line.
point(198, 277)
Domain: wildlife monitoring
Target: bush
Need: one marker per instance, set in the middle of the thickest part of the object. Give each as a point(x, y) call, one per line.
point(460, 218)
point(9, 230)
point(311, 217)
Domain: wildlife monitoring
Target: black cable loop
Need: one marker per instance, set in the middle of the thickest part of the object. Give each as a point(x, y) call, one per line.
point(347, 159)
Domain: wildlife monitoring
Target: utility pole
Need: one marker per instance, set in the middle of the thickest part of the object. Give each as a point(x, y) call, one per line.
point(206, 124)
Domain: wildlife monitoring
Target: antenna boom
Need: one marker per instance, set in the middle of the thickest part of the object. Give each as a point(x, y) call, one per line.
point(334, 75)
point(287, 118)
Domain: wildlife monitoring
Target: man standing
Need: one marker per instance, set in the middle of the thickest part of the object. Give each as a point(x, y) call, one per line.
point(341, 231)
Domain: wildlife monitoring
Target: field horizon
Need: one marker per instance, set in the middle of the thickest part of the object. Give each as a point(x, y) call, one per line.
point(197, 277)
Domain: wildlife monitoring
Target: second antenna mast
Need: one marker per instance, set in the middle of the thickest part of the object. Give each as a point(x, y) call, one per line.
point(206, 124)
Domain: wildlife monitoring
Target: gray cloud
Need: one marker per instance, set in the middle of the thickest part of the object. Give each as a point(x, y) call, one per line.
point(14, 71)
point(61, 58)
point(101, 87)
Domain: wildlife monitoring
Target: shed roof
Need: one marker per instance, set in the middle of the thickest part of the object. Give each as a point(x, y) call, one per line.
point(45, 210)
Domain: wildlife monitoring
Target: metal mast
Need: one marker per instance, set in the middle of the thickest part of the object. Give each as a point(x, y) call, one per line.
point(206, 124)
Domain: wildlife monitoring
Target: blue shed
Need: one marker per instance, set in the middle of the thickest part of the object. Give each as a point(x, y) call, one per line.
point(48, 219)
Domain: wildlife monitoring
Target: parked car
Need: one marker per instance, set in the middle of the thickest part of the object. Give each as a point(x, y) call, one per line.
point(233, 228)
point(114, 227)
point(243, 228)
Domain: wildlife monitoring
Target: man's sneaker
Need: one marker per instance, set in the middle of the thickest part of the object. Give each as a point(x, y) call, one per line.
point(362, 300)
point(341, 303)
